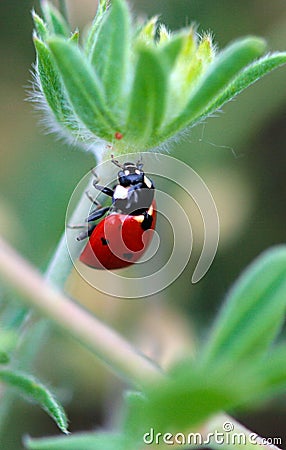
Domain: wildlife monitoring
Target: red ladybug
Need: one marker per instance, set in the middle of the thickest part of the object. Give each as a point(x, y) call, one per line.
point(117, 241)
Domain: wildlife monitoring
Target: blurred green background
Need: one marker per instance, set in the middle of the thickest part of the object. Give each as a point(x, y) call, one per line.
point(240, 153)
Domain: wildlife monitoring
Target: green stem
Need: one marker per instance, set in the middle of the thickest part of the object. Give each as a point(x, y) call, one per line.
point(61, 264)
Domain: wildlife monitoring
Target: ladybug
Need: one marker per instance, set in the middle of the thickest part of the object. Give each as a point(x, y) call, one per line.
point(117, 241)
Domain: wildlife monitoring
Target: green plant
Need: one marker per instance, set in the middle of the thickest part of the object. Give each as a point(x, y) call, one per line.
point(237, 367)
point(135, 87)
point(88, 104)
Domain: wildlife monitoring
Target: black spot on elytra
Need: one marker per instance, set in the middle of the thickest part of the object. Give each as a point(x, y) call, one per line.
point(104, 241)
point(127, 255)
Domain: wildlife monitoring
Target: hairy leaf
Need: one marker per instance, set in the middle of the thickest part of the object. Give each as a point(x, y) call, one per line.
point(75, 37)
point(4, 357)
point(253, 313)
point(52, 87)
point(56, 22)
point(272, 371)
point(40, 26)
point(102, 9)
point(83, 87)
point(220, 73)
point(247, 77)
point(188, 398)
point(110, 53)
point(148, 97)
point(34, 390)
point(171, 49)
point(83, 441)
point(9, 338)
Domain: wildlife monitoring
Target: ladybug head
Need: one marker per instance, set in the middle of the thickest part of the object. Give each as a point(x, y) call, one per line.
point(130, 173)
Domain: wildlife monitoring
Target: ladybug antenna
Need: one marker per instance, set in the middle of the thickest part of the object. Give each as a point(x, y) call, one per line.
point(116, 162)
point(139, 163)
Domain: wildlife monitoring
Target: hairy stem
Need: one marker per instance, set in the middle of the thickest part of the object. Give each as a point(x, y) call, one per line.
point(61, 264)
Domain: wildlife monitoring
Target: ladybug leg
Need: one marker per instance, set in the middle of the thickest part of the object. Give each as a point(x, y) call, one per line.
point(95, 175)
point(77, 226)
point(97, 214)
point(84, 234)
point(93, 200)
point(105, 190)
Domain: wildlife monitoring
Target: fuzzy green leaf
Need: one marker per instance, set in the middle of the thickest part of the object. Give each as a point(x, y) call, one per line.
point(11, 321)
point(134, 402)
point(268, 374)
point(83, 441)
point(35, 391)
point(253, 313)
point(102, 9)
point(247, 77)
point(75, 37)
point(9, 339)
point(40, 26)
point(171, 49)
point(50, 82)
point(220, 73)
point(191, 394)
point(83, 87)
point(56, 22)
point(110, 53)
point(146, 32)
point(189, 397)
point(52, 87)
point(4, 357)
point(272, 370)
point(148, 96)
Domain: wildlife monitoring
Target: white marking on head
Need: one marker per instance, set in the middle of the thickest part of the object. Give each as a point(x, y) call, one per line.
point(120, 192)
